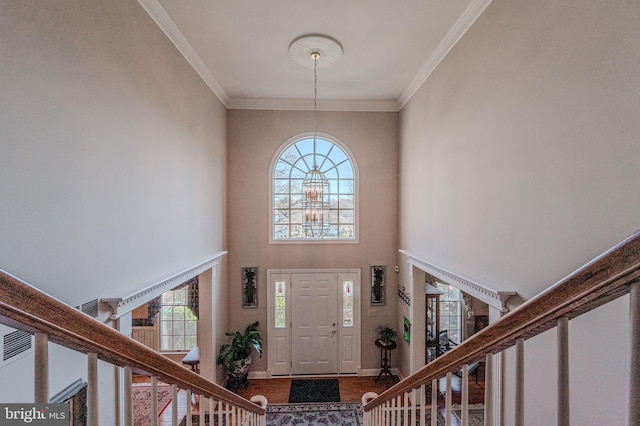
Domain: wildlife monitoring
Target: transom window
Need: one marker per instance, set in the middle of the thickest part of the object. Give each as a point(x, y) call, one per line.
point(289, 171)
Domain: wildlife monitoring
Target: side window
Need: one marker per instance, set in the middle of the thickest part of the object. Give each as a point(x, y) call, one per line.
point(451, 311)
point(179, 326)
point(303, 211)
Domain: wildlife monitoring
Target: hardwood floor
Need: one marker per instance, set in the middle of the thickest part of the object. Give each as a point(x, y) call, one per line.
point(276, 390)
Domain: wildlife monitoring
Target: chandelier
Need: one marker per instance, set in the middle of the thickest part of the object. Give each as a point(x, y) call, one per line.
point(315, 186)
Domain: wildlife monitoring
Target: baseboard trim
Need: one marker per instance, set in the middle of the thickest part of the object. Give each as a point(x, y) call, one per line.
point(366, 372)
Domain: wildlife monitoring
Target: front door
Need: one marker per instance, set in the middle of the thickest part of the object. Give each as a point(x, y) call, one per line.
point(314, 321)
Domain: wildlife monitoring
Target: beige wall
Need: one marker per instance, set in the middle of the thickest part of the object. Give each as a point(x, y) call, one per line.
point(112, 157)
point(254, 139)
point(519, 163)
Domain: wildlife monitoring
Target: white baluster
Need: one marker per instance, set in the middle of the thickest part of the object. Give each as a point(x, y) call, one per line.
point(189, 410)
point(519, 409)
point(154, 401)
point(414, 404)
point(434, 402)
point(448, 401)
point(212, 407)
point(128, 402)
point(202, 404)
point(488, 390)
point(563, 371)
point(634, 379)
point(405, 408)
point(92, 389)
point(423, 404)
point(174, 405)
point(41, 369)
point(465, 395)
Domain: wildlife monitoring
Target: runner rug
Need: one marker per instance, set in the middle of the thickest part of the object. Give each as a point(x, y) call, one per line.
point(314, 390)
point(315, 414)
point(141, 395)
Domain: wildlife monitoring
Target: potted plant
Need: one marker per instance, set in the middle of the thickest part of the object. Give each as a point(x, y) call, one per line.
point(386, 335)
point(235, 357)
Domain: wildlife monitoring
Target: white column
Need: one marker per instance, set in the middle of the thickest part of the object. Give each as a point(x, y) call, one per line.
point(519, 409)
point(92, 389)
point(126, 395)
point(41, 365)
point(634, 373)
point(154, 401)
point(563, 371)
point(488, 390)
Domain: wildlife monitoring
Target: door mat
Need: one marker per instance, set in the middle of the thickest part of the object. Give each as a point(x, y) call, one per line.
point(314, 390)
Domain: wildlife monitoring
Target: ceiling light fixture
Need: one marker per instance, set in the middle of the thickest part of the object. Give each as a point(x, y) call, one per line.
point(323, 52)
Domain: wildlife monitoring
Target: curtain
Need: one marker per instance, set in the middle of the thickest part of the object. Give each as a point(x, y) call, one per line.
point(194, 296)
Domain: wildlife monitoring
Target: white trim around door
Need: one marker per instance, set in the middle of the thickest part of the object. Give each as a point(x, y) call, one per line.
point(304, 327)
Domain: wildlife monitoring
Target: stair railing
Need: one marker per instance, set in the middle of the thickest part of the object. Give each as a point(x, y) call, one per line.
point(26, 308)
point(607, 277)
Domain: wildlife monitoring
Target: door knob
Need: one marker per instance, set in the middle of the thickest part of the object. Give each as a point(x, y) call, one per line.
point(334, 324)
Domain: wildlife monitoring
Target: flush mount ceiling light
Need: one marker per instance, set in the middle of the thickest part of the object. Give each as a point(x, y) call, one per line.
point(315, 52)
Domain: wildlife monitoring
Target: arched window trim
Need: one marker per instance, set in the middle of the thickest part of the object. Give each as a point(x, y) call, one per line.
point(356, 201)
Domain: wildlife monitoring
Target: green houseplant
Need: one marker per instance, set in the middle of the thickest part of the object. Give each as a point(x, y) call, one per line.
point(235, 357)
point(386, 334)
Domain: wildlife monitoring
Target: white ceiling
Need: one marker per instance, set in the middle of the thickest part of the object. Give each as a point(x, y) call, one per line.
point(240, 47)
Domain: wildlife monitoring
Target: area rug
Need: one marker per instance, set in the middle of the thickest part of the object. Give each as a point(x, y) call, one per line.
point(141, 395)
point(315, 414)
point(476, 414)
point(315, 390)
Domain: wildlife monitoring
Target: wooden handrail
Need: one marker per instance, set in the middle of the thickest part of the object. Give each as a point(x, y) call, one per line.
point(24, 307)
point(600, 281)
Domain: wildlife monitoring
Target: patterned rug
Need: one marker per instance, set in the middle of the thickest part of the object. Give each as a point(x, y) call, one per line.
point(141, 395)
point(476, 414)
point(315, 414)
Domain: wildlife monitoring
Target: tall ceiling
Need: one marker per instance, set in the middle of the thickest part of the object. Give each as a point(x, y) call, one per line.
point(240, 47)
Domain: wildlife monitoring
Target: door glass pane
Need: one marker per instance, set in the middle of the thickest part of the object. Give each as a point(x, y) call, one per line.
point(280, 304)
point(347, 304)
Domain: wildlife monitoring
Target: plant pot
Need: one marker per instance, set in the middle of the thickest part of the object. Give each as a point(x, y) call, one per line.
point(239, 377)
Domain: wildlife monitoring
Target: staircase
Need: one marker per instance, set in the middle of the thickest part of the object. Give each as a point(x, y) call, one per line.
point(609, 276)
point(604, 279)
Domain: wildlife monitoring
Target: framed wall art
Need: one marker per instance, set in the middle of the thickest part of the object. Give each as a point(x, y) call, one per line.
point(378, 284)
point(249, 286)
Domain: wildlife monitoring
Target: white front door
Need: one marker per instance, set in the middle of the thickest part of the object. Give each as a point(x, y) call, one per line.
point(314, 324)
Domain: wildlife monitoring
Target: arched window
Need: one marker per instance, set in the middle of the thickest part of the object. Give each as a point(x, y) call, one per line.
point(289, 168)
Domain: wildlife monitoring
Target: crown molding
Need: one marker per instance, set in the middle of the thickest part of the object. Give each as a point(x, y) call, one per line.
point(166, 24)
point(471, 13)
point(489, 294)
point(126, 304)
point(307, 105)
